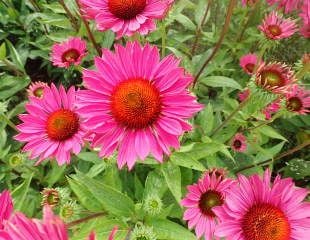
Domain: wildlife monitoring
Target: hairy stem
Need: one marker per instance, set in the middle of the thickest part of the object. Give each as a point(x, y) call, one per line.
point(72, 19)
point(230, 9)
point(89, 32)
point(9, 122)
point(85, 219)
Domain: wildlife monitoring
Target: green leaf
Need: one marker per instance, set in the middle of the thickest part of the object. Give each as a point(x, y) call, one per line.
point(185, 21)
point(169, 230)
point(297, 168)
point(15, 56)
point(19, 194)
point(172, 176)
point(220, 81)
point(270, 132)
point(2, 51)
point(112, 200)
point(155, 184)
point(10, 85)
point(186, 159)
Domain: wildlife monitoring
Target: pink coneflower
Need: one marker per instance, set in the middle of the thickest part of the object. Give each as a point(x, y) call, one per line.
point(244, 95)
point(275, 27)
point(305, 30)
point(305, 12)
point(238, 143)
point(52, 128)
point(287, 5)
point(201, 198)
point(136, 103)
point(248, 63)
point(257, 209)
point(125, 17)
point(271, 108)
point(67, 53)
point(274, 77)
point(6, 207)
point(298, 100)
point(36, 89)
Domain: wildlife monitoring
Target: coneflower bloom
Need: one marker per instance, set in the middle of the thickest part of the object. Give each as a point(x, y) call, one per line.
point(257, 209)
point(52, 128)
point(298, 100)
point(244, 95)
point(125, 17)
point(276, 27)
point(136, 103)
point(69, 52)
point(287, 5)
point(248, 63)
point(274, 77)
point(305, 30)
point(6, 207)
point(271, 108)
point(239, 143)
point(305, 12)
point(22, 228)
point(201, 198)
point(36, 89)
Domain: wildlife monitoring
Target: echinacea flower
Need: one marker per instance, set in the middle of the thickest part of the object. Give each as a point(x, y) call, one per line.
point(248, 63)
point(239, 143)
point(52, 128)
point(287, 5)
point(305, 30)
point(258, 209)
point(22, 228)
point(50, 196)
point(6, 207)
point(305, 12)
point(274, 77)
point(298, 100)
point(244, 95)
point(271, 108)
point(210, 191)
point(276, 27)
point(69, 52)
point(136, 103)
point(125, 17)
point(36, 89)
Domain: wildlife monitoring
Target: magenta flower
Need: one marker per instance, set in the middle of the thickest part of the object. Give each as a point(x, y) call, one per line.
point(298, 100)
point(36, 89)
point(125, 17)
point(67, 53)
point(136, 103)
point(271, 108)
point(257, 209)
point(201, 198)
point(52, 128)
point(287, 5)
point(6, 207)
point(274, 77)
point(305, 12)
point(275, 27)
point(239, 143)
point(248, 63)
point(244, 95)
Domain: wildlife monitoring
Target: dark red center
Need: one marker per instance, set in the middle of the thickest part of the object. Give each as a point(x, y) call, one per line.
point(70, 55)
point(272, 78)
point(208, 200)
point(237, 144)
point(294, 104)
point(126, 9)
point(250, 67)
point(275, 30)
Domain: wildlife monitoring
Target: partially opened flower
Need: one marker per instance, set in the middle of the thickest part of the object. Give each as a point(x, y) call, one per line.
point(69, 52)
point(276, 27)
point(136, 103)
point(298, 100)
point(125, 17)
point(287, 5)
point(244, 95)
point(201, 198)
point(52, 128)
point(257, 209)
point(36, 89)
point(248, 63)
point(271, 108)
point(239, 143)
point(274, 77)
point(6, 207)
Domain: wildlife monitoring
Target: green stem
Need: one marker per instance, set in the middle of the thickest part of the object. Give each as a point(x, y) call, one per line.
point(72, 19)
point(9, 122)
point(163, 39)
point(85, 219)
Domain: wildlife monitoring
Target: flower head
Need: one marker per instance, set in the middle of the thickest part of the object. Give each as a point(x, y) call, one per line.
point(298, 100)
point(36, 89)
point(275, 27)
point(244, 95)
point(70, 52)
point(238, 143)
point(287, 5)
point(142, 232)
point(305, 12)
point(305, 30)
point(6, 207)
point(125, 17)
point(152, 205)
point(248, 63)
point(257, 209)
point(200, 200)
point(52, 128)
point(50, 197)
point(274, 77)
point(136, 103)
point(271, 108)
